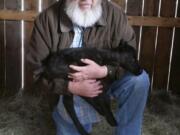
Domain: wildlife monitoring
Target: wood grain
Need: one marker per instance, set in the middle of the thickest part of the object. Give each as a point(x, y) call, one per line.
point(150, 21)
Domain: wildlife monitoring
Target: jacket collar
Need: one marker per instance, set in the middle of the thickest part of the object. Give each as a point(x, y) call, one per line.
point(66, 25)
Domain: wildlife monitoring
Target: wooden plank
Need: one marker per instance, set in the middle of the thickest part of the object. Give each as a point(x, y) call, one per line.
point(13, 56)
point(148, 49)
point(175, 72)
point(31, 5)
point(2, 58)
point(148, 38)
point(2, 54)
point(137, 31)
point(154, 21)
point(163, 48)
point(28, 75)
point(134, 8)
point(14, 15)
point(1, 4)
point(13, 51)
point(151, 21)
point(28, 26)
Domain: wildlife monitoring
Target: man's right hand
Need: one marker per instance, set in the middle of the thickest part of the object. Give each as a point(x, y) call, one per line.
point(86, 88)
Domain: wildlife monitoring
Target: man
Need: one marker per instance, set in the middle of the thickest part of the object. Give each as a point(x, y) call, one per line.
point(89, 23)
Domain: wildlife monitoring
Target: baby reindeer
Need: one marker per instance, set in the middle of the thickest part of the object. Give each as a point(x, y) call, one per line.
point(56, 65)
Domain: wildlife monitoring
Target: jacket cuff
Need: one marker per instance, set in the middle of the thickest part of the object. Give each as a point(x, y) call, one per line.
point(115, 72)
point(111, 71)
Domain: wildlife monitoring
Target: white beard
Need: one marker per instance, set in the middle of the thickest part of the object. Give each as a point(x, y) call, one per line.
point(85, 18)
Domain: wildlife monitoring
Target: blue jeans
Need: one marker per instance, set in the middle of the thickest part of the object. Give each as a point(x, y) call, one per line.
point(131, 94)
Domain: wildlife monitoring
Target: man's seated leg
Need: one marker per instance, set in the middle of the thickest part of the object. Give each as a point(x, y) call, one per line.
point(65, 128)
point(131, 93)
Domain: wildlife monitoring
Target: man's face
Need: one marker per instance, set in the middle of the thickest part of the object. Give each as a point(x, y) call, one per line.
point(85, 4)
point(84, 12)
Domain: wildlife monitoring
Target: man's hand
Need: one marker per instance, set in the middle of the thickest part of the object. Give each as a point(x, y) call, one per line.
point(86, 88)
point(91, 71)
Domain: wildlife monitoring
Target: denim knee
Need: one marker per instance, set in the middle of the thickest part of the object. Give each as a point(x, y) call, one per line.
point(141, 82)
point(130, 84)
point(131, 94)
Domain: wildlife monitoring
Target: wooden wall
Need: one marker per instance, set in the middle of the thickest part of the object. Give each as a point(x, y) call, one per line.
point(2, 53)
point(175, 72)
point(155, 22)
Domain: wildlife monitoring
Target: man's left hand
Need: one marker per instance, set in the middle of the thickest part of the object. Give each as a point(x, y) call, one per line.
point(91, 71)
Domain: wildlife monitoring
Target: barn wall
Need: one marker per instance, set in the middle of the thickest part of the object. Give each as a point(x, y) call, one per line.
point(158, 46)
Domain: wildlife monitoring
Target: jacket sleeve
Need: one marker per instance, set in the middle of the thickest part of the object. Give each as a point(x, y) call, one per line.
point(38, 49)
point(126, 31)
point(122, 32)
point(115, 72)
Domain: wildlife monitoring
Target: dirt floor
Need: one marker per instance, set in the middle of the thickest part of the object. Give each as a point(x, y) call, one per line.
point(25, 115)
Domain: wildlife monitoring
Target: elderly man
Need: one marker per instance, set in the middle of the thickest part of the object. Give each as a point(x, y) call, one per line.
point(89, 23)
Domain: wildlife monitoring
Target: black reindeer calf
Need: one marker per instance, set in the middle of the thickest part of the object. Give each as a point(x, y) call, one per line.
point(56, 65)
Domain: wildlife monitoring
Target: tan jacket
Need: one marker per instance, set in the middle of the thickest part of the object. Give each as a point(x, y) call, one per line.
point(53, 30)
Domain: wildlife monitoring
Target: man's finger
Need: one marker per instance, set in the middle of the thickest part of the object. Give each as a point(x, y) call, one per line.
point(70, 75)
point(76, 68)
point(92, 81)
point(98, 87)
point(96, 93)
point(87, 61)
point(99, 92)
point(76, 76)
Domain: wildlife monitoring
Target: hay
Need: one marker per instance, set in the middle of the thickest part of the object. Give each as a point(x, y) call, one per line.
point(24, 116)
point(27, 115)
point(162, 116)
